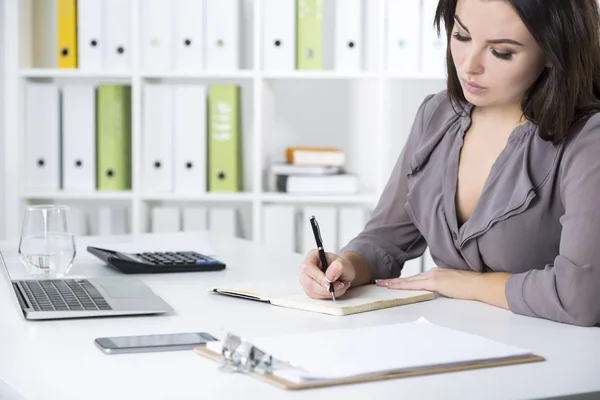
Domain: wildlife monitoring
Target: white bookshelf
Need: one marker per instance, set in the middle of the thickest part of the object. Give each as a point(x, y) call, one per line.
point(2, 146)
point(367, 113)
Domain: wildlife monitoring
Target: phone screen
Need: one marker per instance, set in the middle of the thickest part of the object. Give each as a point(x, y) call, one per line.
point(151, 341)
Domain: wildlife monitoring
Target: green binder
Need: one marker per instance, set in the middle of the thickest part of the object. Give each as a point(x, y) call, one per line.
point(309, 34)
point(113, 137)
point(224, 139)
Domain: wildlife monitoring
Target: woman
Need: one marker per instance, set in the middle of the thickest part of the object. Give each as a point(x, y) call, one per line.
point(500, 176)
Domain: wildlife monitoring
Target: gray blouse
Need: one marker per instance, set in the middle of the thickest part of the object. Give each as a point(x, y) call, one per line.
point(538, 216)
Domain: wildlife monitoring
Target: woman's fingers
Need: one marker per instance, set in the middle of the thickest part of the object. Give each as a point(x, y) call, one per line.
point(313, 289)
point(335, 270)
point(312, 271)
point(406, 283)
point(316, 283)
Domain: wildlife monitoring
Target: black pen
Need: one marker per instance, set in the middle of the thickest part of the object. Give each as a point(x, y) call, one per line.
point(319, 240)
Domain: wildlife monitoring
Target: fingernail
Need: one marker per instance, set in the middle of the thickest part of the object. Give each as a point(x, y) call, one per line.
point(339, 285)
point(326, 285)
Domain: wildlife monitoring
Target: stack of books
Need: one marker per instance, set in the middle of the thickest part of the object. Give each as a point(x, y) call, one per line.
point(315, 171)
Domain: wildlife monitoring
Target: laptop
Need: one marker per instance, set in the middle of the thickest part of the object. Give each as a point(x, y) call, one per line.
point(45, 299)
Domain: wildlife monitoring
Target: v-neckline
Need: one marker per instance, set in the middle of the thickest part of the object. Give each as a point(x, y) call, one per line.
point(451, 179)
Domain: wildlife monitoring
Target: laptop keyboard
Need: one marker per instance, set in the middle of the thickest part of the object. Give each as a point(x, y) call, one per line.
point(63, 295)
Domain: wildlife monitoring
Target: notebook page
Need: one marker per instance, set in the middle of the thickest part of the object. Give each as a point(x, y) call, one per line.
point(359, 299)
point(291, 295)
point(379, 350)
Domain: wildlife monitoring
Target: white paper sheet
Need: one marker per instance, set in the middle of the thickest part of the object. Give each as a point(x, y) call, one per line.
point(379, 350)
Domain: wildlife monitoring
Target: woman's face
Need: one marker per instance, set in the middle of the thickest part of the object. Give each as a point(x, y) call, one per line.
point(495, 56)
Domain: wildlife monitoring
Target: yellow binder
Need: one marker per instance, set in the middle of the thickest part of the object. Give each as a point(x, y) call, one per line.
point(67, 33)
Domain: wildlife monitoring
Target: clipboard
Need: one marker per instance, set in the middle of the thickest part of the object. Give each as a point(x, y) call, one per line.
point(240, 356)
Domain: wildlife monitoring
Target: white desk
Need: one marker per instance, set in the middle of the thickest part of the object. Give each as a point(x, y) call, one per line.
point(58, 360)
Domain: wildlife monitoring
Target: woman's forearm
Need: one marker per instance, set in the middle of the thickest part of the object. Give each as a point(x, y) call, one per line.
point(489, 288)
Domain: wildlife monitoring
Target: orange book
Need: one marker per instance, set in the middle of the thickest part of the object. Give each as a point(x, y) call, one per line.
point(324, 156)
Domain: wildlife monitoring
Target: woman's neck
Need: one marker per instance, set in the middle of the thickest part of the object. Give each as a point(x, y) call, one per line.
point(505, 115)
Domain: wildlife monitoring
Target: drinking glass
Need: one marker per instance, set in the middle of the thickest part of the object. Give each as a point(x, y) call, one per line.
point(47, 246)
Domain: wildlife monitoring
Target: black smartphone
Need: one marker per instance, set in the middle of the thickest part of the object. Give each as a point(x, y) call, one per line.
point(148, 343)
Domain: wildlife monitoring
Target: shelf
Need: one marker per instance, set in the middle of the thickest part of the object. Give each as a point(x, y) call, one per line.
point(73, 73)
point(87, 196)
point(414, 76)
point(366, 111)
point(225, 197)
point(284, 198)
point(318, 75)
point(239, 74)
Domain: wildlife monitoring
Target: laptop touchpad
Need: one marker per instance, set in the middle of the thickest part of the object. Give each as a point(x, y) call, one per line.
point(125, 291)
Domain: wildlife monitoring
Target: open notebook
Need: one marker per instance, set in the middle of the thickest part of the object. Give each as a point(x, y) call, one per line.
point(395, 350)
point(355, 300)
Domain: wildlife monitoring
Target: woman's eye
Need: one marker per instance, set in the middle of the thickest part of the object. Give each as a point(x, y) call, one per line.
point(502, 56)
point(460, 38)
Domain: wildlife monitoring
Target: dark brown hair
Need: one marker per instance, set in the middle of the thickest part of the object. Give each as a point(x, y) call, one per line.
point(568, 31)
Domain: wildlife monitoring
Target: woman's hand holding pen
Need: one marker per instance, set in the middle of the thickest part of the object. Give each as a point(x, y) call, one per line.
point(316, 283)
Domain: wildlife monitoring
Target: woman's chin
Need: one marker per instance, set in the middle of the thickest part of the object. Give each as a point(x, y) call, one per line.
point(476, 100)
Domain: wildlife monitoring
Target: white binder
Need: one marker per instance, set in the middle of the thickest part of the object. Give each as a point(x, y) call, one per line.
point(79, 137)
point(103, 221)
point(90, 39)
point(329, 33)
point(110, 220)
point(433, 56)
point(77, 222)
point(156, 34)
point(188, 35)
point(349, 37)
point(42, 137)
point(223, 220)
point(119, 220)
point(116, 29)
point(222, 35)
point(351, 222)
point(279, 35)
point(327, 219)
point(157, 134)
point(165, 220)
point(189, 132)
point(279, 227)
point(403, 31)
point(195, 219)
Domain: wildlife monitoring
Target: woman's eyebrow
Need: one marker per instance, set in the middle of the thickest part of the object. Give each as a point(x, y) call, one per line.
point(494, 41)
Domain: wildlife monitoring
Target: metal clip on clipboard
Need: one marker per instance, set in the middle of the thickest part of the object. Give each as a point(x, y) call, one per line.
point(240, 355)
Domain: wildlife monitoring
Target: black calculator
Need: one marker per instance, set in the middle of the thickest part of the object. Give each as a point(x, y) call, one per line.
point(157, 262)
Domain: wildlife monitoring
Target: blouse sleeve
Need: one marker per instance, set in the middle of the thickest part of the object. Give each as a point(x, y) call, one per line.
point(569, 289)
point(390, 238)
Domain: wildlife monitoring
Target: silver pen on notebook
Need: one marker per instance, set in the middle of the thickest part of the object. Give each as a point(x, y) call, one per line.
point(324, 265)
